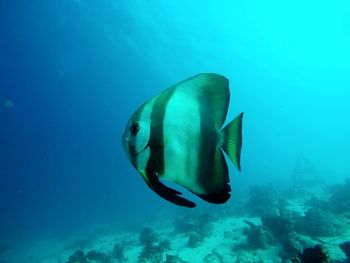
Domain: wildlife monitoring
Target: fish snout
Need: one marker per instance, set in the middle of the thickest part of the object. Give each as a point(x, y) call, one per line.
point(125, 142)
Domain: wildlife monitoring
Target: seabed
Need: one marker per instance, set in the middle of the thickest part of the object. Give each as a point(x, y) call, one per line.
point(270, 225)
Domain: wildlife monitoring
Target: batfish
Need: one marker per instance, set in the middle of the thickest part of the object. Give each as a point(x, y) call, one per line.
point(178, 136)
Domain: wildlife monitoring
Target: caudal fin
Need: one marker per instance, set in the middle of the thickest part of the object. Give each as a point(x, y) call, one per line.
point(232, 142)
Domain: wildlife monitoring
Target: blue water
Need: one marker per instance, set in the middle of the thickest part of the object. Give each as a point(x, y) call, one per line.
point(76, 70)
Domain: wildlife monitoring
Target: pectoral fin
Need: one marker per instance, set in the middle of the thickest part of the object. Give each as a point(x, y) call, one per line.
point(164, 191)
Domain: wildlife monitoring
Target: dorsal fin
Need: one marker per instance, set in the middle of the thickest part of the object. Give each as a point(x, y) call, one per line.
point(212, 92)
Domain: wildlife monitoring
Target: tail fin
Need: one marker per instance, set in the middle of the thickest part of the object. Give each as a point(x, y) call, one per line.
point(232, 140)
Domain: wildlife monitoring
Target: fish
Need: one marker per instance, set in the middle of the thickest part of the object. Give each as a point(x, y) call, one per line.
point(177, 136)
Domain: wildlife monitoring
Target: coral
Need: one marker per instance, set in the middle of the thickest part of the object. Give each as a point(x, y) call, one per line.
point(78, 257)
point(283, 228)
point(150, 253)
point(316, 202)
point(340, 198)
point(148, 236)
point(312, 255)
point(152, 250)
point(195, 227)
point(194, 240)
point(164, 245)
point(118, 252)
point(98, 256)
point(293, 244)
point(320, 223)
point(258, 237)
point(200, 224)
point(262, 201)
point(174, 259)
point(279, 226)
point(346, 249)
point(213, 257)
point(92, 256)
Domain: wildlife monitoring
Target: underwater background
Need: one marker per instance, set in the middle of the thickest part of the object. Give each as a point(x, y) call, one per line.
point(73, 71)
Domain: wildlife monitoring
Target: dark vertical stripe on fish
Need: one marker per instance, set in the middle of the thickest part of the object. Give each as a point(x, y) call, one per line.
point(155, 163)
point(213, 171)
point(208, 142)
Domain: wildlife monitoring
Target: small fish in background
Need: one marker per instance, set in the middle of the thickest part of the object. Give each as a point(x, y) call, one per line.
point(177, 136)
point(8, 103)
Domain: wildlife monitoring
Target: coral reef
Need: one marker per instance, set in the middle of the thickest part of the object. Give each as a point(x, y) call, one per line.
point(213, 257)
point(92, 256)
point(98, 257)
point(200, 224)
point(118, 252)
point(279, 226)
point(150, 253)
point(164, 245)
point(196, 228)
point(283, 228)
point(293, 244)
point(320, 223)
point(194, 240)
point(174, 259)
point(148, 236)
point(262, 201)
point(313, 201)
point(340, 198)
point(258, 237)
point(314, 254)
point(346, 249)
point(152, 250)
point(78, 257)
point(288, 231)
point(316, 222)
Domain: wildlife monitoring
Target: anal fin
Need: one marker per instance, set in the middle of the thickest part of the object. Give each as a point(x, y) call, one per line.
point(166, 192)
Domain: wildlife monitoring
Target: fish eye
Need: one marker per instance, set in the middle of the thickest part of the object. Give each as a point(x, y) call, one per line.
point(134, 128)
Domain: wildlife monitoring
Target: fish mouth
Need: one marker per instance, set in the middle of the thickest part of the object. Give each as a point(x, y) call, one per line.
point(131, 148)
point(125, 142)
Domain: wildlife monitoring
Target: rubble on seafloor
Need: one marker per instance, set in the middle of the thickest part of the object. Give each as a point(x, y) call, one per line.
point(300, 230)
